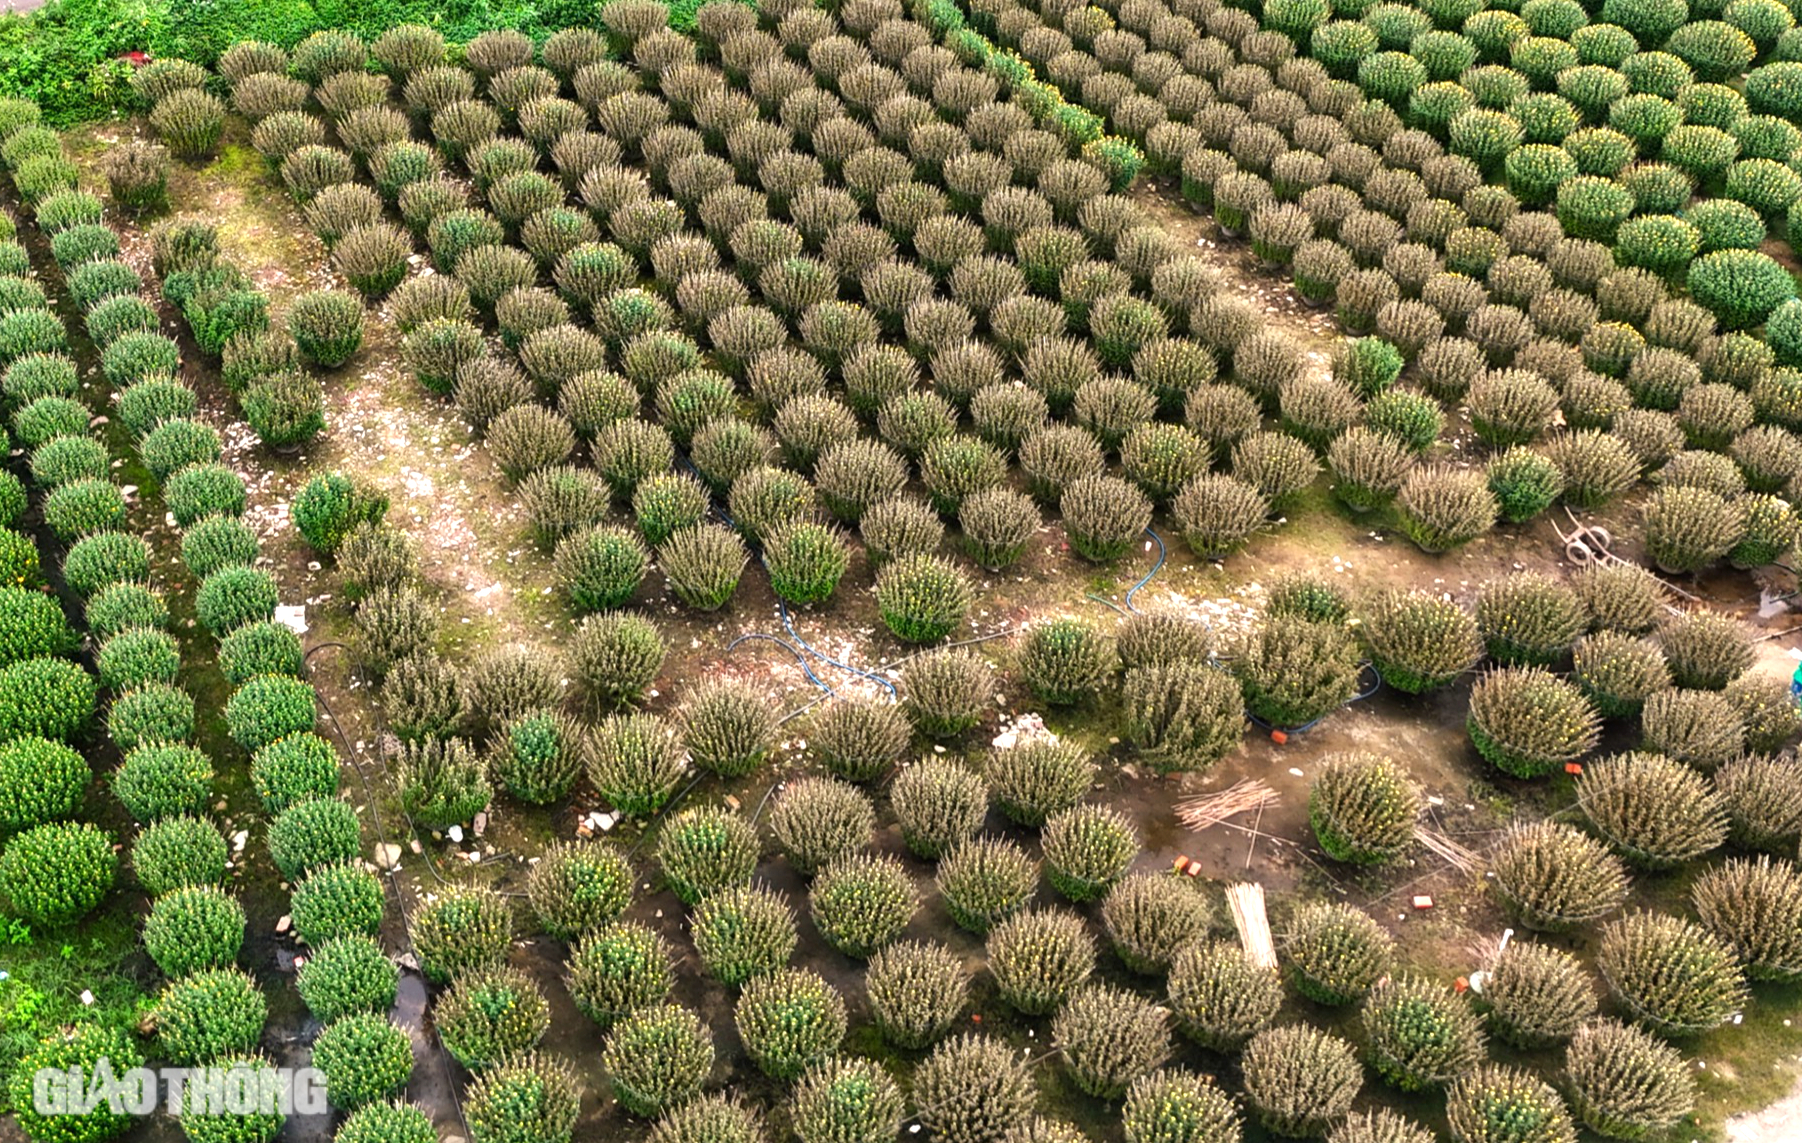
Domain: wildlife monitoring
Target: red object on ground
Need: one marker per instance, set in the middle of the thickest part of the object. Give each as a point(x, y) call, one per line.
point(1462, 984)
point(138, 59)
point(1279, 737)
point(1182, 863)
point(1573, 768)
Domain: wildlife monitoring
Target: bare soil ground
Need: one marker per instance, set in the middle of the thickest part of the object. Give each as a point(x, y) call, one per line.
point(494, 587)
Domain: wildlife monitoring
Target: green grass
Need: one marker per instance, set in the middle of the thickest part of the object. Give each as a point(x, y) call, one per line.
point(48, 971)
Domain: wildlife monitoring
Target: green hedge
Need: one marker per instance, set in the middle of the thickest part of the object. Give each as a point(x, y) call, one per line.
point(67, 55)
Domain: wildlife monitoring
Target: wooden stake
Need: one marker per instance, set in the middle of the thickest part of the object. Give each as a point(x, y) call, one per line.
point(1246, 900)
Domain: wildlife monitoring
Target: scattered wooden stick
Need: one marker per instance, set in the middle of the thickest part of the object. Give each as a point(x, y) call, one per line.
point(1246, 900)
point(1443, 847)
point(1205, 810)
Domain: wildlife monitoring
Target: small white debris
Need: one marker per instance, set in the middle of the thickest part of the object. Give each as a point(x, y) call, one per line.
point(87, 997)
point(283, 923)
point(455, 833)
point(293, 616)
point(1294, 772)
point(238, 840)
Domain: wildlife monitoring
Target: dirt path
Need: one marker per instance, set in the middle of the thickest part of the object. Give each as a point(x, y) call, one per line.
point(1775, 1124)
point(445, 493)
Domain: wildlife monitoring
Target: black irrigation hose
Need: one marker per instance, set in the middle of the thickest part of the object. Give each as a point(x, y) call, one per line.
point(787, 623)
point(1163, 555)
point(893, 694)
point(790, 648)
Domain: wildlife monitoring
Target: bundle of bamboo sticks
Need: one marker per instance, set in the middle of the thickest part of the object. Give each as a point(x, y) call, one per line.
point(1246, 900)
point(1205, 810)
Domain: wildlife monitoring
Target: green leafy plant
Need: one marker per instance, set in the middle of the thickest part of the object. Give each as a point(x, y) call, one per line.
point(984, 880)
point(742, 933)
point(658, 1057)
point(576, 888)
point(83, 1046)
point(329, 507)
point(1299, 1079)
point(193, 928)
point(56, 873)
point(364, 1058)
point(1421, 1034)
point(294, 768)
point(1219, 997)
point(618, 969)
point(40, 781)
point(705, 849)
point(1151, 917)
point(267, 708)
point(1553, 879)
point(345, 976)
point(489, 1015)
point(209, 1014)
point(529, 1096)
point(1496, 1103)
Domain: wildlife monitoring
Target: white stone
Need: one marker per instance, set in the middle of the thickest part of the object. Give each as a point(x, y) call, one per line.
point(293, 616)
point(455, 833)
